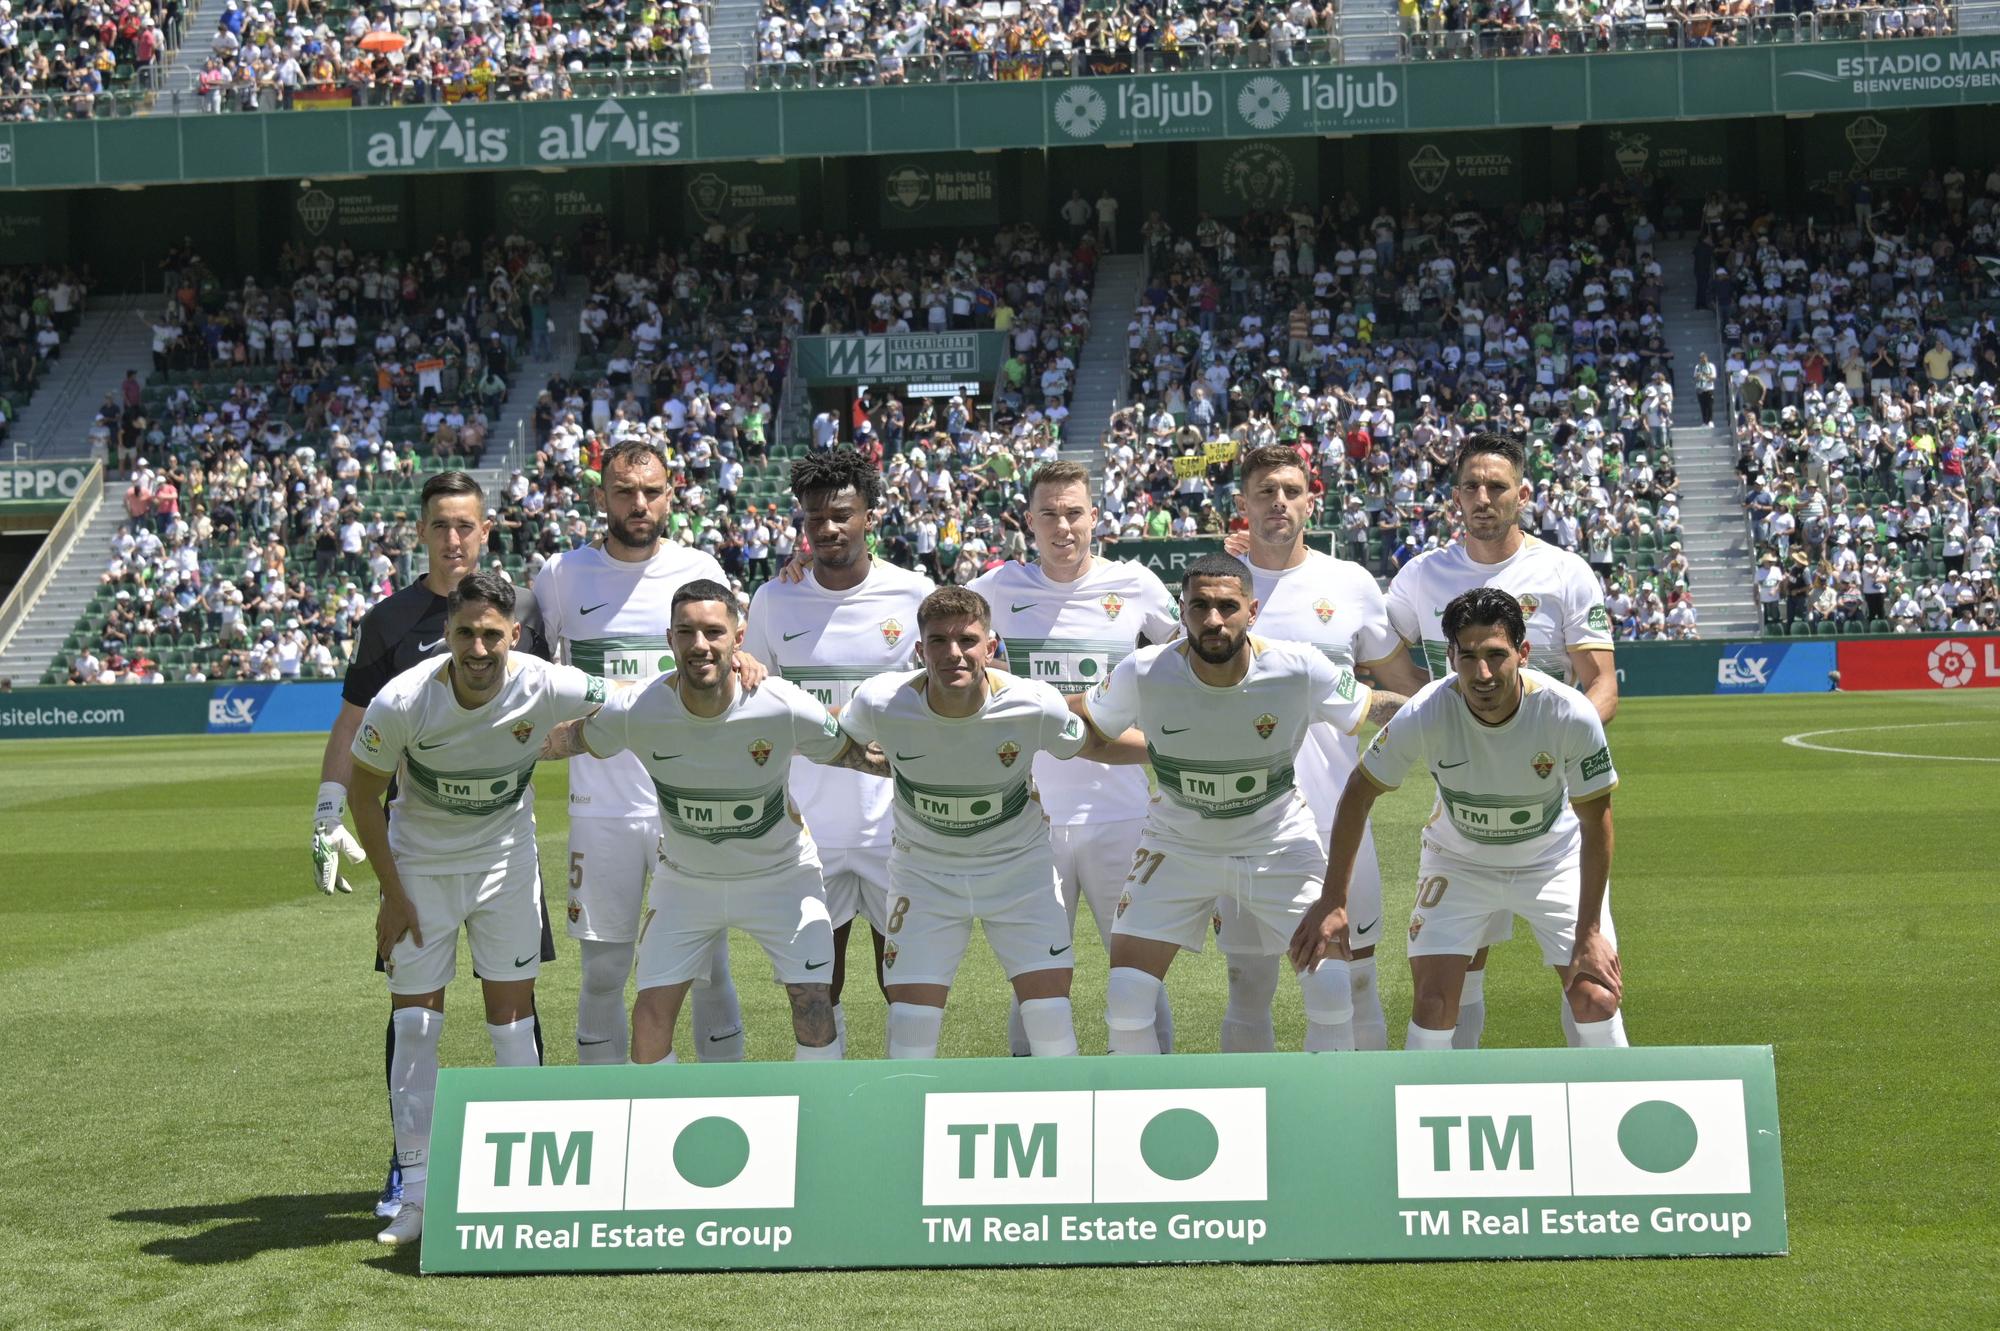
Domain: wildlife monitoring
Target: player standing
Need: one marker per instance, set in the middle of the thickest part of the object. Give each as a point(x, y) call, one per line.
point(1561, 600)
point(395, 634)
point(1224, 714)
point(971, 841)
point(606, 609)
point(1522, 825)
point(1067, 620)
point(461, 739)
point(1333, 605)
point(719, 759)
point(846, 618)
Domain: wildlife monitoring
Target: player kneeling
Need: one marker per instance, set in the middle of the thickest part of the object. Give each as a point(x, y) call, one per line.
point(461, 738)
point(971, 840)
point(1522, 825)
point(719, 758)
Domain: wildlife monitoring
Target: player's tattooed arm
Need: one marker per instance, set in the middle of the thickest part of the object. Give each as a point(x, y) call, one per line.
point(1383, 704)
point(565, 740)
point(867, 758)
point(812, 1014)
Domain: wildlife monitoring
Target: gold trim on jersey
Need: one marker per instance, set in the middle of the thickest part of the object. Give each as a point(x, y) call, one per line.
point(1374, 780)
point(1594, 796)
point(1591, 647)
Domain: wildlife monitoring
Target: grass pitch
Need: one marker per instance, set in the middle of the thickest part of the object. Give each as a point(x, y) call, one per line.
point(194, 1121)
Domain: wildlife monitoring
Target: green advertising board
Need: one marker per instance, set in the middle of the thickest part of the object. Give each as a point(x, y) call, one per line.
point(1883, 150)
point(901, 357)
point(765, 195)
point(940, 189)
point(1260, 175)
point(41, 485)
point(368, 214)
point(542, 207)
point(901, 119)
point(1045, 1162)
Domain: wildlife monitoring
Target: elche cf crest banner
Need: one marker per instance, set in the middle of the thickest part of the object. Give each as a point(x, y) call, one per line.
point(1192, 1158)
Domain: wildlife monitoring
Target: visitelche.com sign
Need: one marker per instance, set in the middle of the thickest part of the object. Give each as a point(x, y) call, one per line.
point(1195, 1158)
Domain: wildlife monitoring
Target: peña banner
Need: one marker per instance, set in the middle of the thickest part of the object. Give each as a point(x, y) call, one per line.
point(1196, 1158)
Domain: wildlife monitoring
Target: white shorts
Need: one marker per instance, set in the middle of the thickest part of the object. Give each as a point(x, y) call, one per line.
point(611, 862)
point(501, 911)
point(929, 923)
point(857, 883)
point(785, 913)
point(1092, 863)
point(1364, 907)
point(1501, 927)
point(1172, 894)
point(1457, 901)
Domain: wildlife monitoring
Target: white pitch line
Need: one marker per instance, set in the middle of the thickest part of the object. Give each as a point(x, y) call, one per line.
point(1803, 738)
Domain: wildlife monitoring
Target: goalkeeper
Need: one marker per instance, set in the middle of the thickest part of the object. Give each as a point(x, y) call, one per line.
point(396, 634)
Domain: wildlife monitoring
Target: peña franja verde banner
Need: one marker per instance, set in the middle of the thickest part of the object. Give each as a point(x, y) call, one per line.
point(1026, 1162)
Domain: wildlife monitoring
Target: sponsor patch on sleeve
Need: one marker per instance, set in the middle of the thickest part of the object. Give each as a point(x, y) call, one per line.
point(1598, 619)
point(1597, 764)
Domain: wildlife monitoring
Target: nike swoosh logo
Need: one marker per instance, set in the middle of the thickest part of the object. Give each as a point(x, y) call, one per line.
point(1175, 730)
point(1058, 951)
point(522, 961)
point(1367, 927)
point(665, 757)
point(730, 1035)
point(800, 634)
point(1017, 609)
point(591, 608)
point(815, 965)
point(1460, 763)
point(427, 747)
point(423, 647)
point(908, 757)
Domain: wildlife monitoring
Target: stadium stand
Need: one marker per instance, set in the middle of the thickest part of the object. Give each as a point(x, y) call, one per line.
point(40, 305)
point(61, 60)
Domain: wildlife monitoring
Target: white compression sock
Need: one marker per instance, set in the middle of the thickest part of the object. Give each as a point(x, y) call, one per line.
point(1371, 1027)
point(1017, 1034)
point(601, 1033)
point(1051, 1031)
point(718, 1013)
point(1597, 1034)
point(1417, 1038)
point(1246, 1022)
point(514, 1044)
point(413, 1074)
point(840, 1025)
point(1329, 1003)
point(913, 1030)
point(1571, 1032)
point(1472, 1011)
point(1130, 1006)
point(805, 1053)
point(671, 1057)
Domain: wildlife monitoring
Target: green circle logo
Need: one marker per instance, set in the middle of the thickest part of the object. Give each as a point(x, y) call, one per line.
point(1658, 1136)
point(1086, 667)
point(981, 806)
point(1245, 784)
point(1179, 1144)
point(499, 787)
point(1519, 816)
point(667, 662)
point(711, 1152)
point(743, 811)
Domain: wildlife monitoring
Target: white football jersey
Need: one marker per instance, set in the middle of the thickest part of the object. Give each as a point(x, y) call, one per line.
point(827, 642)
point(1504, 792)
point(1335, 606)
point(1559, 595)
point(1225, 757)
point(1071, 635)
point(464, 802)
point(964, 790)
point(611, 618)
point(721, 780)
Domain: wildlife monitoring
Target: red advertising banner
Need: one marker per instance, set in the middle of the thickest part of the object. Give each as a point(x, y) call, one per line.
point(1920, 663)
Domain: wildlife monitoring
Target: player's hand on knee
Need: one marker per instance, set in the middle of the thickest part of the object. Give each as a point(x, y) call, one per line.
point(1595, 959)
point(394, 917)
point(1322, 933)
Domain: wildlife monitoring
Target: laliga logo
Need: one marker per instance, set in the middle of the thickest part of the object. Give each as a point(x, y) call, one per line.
point(1950, 665)
point(1055, 1148)
point(411, 142)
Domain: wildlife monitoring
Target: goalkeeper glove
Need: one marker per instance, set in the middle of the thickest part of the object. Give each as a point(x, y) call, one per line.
point(331, 840)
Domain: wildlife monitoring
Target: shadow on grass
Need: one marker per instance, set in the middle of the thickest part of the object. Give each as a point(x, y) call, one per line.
point(237, 1231)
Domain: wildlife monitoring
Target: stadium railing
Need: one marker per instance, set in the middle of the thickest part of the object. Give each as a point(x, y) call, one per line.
point(54, 547)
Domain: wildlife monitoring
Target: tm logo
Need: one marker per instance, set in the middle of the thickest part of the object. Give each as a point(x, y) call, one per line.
point(1057, 1148)
point(1572, 1139)
point(229, 710)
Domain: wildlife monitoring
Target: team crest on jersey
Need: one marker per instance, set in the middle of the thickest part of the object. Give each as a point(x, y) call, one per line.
point(522, 731)
point(760, 749)
point(892, 631)
point(575, 910)
point(1544, 765)
point(1416, 926)
point(1124, 900)
point(1112, 604)
point(1529, 603)
point(1324, 609)
point(889, 955)
point(1008, 753)
point(1265, 725)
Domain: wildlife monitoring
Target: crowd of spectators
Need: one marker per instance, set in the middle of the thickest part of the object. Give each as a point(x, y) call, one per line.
point(1863, 359)
point(40, 305)
point(1373, 342)
point(60, 58)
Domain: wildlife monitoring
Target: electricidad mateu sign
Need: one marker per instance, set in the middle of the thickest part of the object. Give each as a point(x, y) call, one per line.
point(1006, 1162)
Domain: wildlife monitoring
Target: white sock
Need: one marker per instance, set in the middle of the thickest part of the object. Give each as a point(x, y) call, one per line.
point(413, 1075)
point(1570, 1035)
point(840, 1025)
point(1163, 1022)
point(805, 1053)
point(601, 1032)
point(1328, 992)
point(1131, 1005)
point(1472, 1011)
point(718, 1013)
point(671, 1057)
point(1017, 1034)
point(1051, 1031)
point(1371, 1026)
point(1418, 1037)
point(913, 1030)
point(1246, 1022)
point(514, 1044)
point(1596, 1034)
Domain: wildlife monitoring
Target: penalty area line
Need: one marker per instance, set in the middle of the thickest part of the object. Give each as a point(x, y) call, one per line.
point(1803, 740)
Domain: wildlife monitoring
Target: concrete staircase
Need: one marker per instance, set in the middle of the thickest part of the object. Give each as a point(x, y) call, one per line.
point(1100, 377)
point(181, 67)
point(35, 643)
point(732, 41)
point(1715, 537)
point(1370, 32)
point(109, 340)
